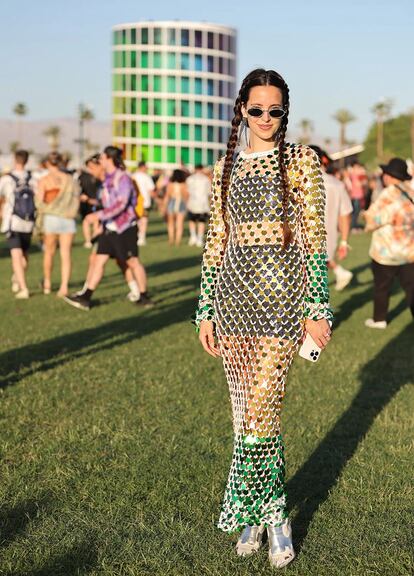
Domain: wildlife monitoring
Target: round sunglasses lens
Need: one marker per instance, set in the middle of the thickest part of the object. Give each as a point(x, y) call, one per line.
point(276, 113)
point(255, 112)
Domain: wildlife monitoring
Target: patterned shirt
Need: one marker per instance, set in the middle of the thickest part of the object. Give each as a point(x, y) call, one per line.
point(118, 199)
point(391, 218)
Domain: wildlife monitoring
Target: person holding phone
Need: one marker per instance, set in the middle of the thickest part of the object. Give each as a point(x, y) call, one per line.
point(263, 287)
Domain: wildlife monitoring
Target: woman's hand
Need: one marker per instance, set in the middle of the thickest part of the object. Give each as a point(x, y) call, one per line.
point(206, 336)
point(319, 330)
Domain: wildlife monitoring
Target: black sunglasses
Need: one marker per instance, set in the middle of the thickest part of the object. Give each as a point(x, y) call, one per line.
point(257, 112)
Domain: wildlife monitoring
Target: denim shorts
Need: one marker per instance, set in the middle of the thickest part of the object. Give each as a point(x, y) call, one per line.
point(57, 225)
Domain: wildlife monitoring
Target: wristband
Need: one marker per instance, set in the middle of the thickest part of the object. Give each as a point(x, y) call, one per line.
point(345, 243)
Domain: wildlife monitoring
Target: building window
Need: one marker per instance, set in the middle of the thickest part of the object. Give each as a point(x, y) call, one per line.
point(133, 56)
point(185, 61)
point(198, 109)
point(171, 133)
point(210, 110)
point(171, 37)
point(115, 39)
point(198, 62)
point(157, 107)
point(133, 105)
point(198, 86)
point(124, 36)
point(210, 87)
point(144, 59)
point(133, 36)
point(221, 65)
point(185, 155)
point(210, 63)
point(157, 36)
point(198, 156)
point(221, 42)
point(171, 84)
point(221, 88)
point(185, 38)
point(185, 131)
point(222, 112)
point(144, 106)
point(133, 129)
point(144, 35)
point(210, 133)
point(185, 85)
point(144, 153)
point(124, 82)
point(157, 84)
point(157, 60)
point(210, 40)
point(198, 133)
point(171, 107)
point(144, 130)
point(124, 59)
point(198, 39)
point(210, 157)
point(144, 83)
point(171, 155)
point(157, 130)
point(157, 154)
point(185, 108)
point(171, 61)
point(133, 83)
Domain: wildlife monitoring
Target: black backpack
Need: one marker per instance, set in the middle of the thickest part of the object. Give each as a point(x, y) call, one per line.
point(24, 204)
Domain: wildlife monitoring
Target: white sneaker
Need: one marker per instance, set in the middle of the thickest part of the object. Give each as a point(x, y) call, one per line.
point(343, 278)
point(199, 243)
point(87, 244)
point(133, 297)
point(370, 323)
point(22, 295)
point(14, 285)
point(192, 241)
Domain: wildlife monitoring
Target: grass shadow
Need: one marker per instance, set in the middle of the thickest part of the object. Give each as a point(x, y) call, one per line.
point(14, 519)
point(22, 362)
point(381, 379)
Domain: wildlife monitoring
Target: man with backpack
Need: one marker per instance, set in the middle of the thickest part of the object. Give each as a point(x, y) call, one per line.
point(18, 219)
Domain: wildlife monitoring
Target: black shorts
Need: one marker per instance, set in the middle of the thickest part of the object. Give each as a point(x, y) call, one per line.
point(20, 240)
point(194, 217)
point(120, 246)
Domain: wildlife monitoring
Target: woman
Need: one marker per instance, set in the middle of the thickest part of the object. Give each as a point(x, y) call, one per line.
point(58, 204)
point(175, 205)
point(263, 286)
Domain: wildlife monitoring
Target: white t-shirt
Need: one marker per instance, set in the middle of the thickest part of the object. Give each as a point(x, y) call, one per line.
point(199, 190)
point(7, 188)
point(338, 203)
point(146, 186)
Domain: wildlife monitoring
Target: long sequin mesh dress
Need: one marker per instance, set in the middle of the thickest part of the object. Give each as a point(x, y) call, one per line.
point(259, 295)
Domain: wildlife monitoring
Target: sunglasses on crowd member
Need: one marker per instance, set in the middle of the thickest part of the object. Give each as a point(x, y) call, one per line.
point(257, 112)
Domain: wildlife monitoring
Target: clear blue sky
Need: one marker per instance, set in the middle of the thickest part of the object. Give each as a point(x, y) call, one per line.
point(333, 54)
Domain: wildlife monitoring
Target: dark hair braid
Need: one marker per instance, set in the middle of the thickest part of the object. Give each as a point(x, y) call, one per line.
point(228, 160)
point(259, 77)
point(280, 139)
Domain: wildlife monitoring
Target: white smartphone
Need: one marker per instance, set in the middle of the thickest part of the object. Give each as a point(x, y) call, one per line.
point(309, 349)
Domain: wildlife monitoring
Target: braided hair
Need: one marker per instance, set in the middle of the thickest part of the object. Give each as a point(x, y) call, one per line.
point(259, 77)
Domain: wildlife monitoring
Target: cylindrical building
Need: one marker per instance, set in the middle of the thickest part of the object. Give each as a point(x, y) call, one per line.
point(173, 91)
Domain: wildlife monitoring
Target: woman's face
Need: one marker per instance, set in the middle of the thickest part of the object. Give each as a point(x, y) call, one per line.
point(266, 98)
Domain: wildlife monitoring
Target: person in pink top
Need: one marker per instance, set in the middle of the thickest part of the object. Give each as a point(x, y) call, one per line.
point(357, 180)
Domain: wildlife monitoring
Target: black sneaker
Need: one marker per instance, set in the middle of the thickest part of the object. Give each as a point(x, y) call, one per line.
point(78, 301)
point(145, 301)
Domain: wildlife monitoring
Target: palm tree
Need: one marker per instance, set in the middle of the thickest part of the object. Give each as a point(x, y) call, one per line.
point(14, 146)
point(306, 126)
point(343, 117)
point(20, 110)
point(85, 115)
point(53, 134)
point(382, 111)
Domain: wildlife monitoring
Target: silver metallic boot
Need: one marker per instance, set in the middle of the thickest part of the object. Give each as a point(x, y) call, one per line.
point(250, 540)
point(281, 550)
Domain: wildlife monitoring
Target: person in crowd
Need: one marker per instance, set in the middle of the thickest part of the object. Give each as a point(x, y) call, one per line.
point(199, 187)
point(357, 179)
point(147, 187)
point(258, 299)
point(18, 218)
point(391, 219)
point(119, 230)
point(58, 203)
point(338, 212)
point(175, 206)
point(89, 186)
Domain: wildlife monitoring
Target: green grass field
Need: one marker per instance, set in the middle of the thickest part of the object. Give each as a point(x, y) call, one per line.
point(116, 433)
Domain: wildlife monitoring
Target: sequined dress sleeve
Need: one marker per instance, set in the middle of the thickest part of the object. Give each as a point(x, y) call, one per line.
point(213, 252)
point(313, 235)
